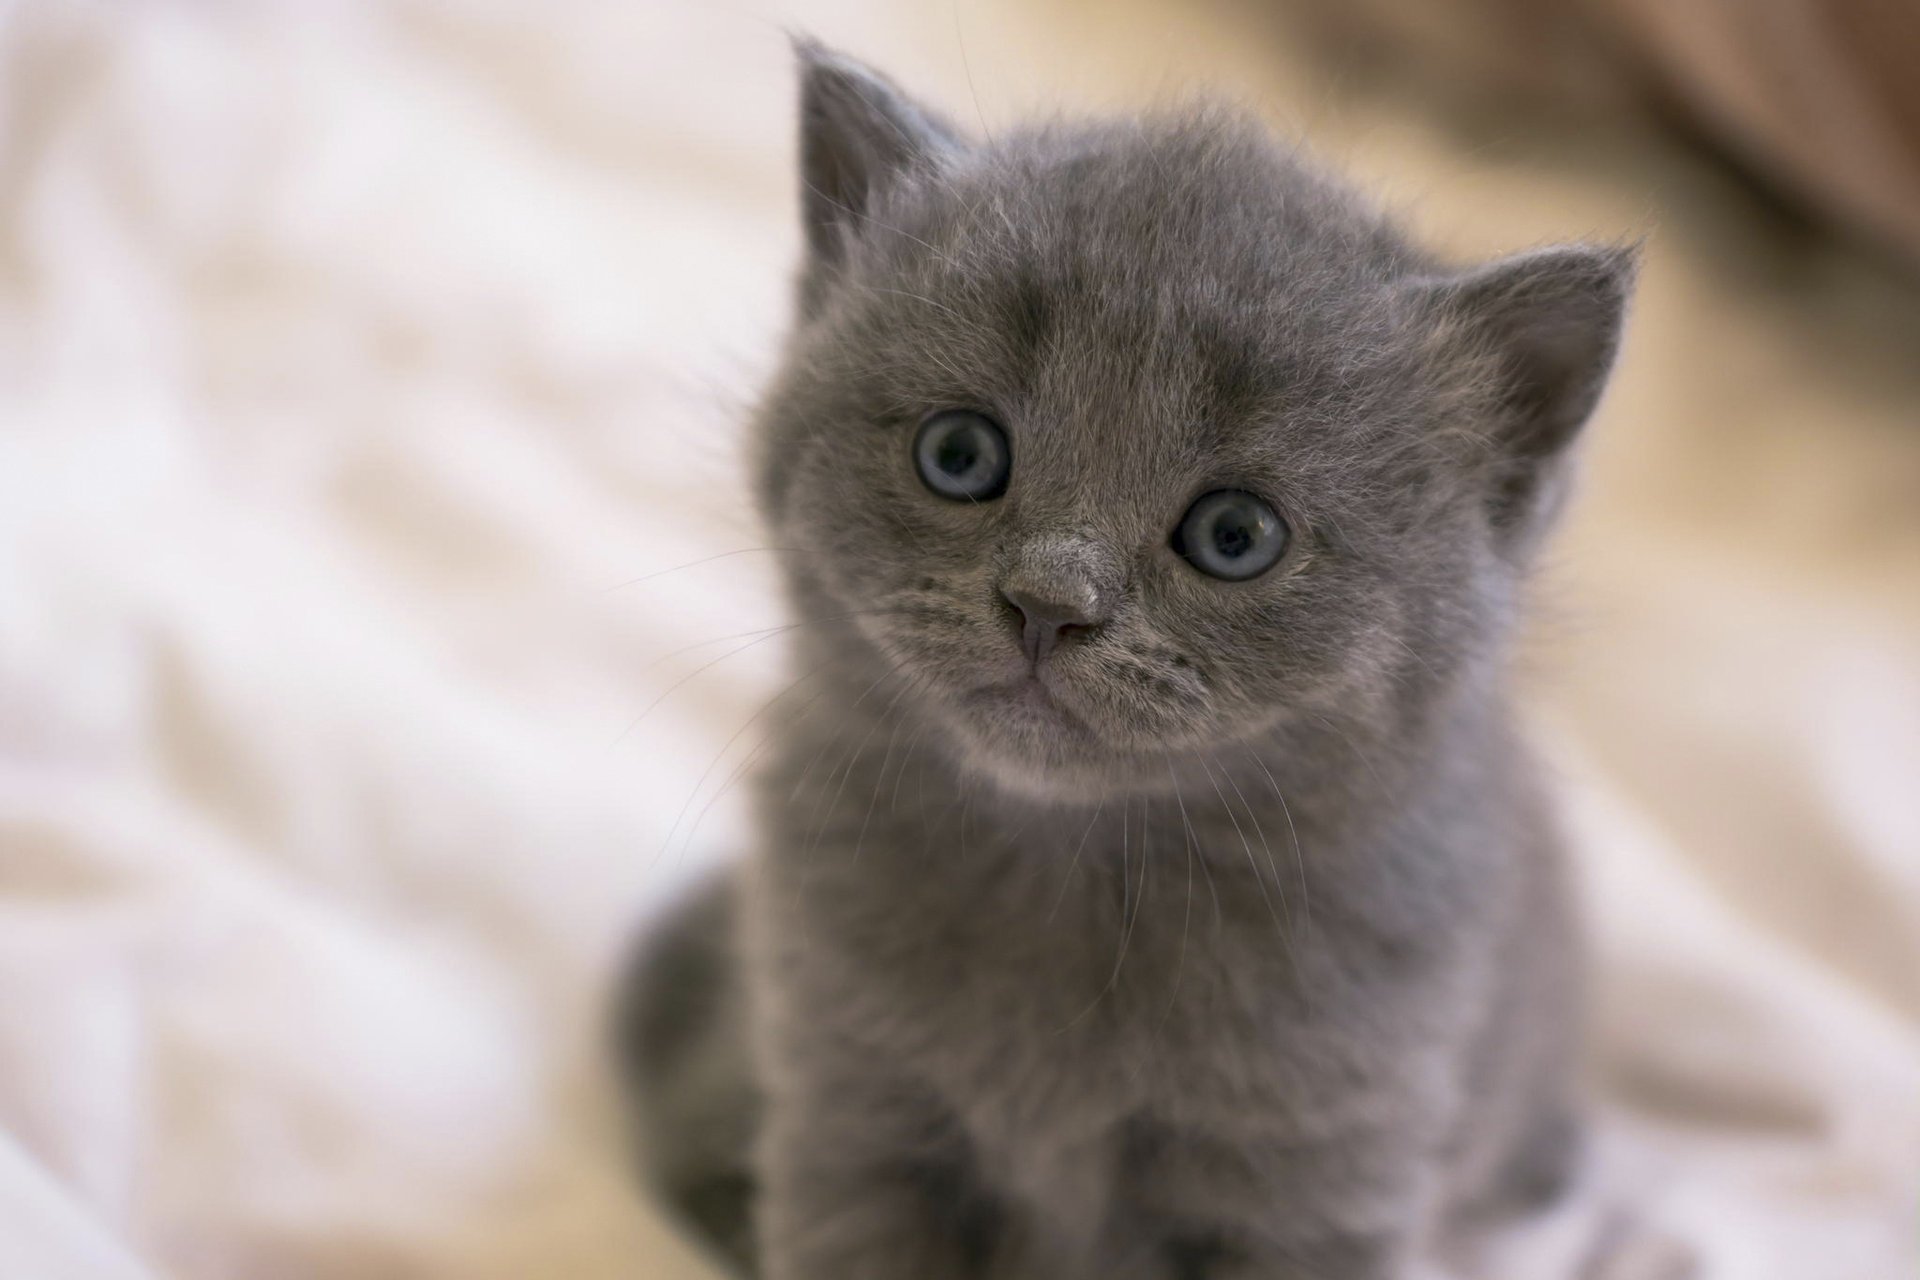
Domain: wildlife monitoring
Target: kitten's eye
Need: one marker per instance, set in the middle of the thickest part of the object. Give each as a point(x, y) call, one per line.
point(1232, 535)
point(963, 456)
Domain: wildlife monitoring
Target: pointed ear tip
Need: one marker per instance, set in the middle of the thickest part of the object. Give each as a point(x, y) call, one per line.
point(1616, 264)
point(810, 54)
point(1621, 260)
point(818, 59)
point(1598, 257)
point(1600, 270)
point(1619, 271)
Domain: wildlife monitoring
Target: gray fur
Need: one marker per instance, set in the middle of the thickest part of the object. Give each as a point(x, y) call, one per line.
point(1243, 951)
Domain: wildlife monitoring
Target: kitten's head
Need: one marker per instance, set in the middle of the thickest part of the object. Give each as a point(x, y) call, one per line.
point(1141, 440)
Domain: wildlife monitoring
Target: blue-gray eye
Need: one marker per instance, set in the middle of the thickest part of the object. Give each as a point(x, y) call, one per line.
point(1232, 535)
point(963, 456)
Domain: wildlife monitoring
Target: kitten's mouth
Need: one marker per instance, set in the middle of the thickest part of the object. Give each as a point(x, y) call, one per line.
point(1031, 705)
point(1024, 734)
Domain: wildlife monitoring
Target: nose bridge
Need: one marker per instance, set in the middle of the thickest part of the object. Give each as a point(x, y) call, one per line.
point(1074, 571)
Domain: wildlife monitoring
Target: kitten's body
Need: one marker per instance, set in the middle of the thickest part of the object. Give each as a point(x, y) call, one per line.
point(1229, 939)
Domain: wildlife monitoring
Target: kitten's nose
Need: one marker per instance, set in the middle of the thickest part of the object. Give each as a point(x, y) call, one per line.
point(1046, 621)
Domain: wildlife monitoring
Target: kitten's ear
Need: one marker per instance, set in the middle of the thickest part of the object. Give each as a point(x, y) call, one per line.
point(1549, 324)
point(858, 135)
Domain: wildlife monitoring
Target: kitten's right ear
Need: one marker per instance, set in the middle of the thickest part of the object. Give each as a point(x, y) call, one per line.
point(858, 135)
point(1547, 325)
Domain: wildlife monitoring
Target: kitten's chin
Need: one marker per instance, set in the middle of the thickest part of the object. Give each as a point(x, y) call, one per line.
point(1028, 743)
point(1047, 782)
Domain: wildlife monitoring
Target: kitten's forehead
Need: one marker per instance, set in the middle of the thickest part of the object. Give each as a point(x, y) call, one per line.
point(1182, 205)
point(1162, 290)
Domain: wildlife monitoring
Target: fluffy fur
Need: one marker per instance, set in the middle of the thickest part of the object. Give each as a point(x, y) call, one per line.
point(1229, 939)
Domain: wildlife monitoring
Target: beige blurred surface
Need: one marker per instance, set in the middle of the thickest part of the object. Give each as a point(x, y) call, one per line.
point(360, 367)
point(1815, 100)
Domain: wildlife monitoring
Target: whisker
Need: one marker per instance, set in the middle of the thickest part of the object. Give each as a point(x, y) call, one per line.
point(1074, 864)
point(740, 770)
point(1413, 653)
point(860, 841)
point(824, 812)
point(1253, 866)
point(748, 723)
point(1127, 921)
point(1265, 847)
point(818, 756)
point(1299, 858)
point(1186, 923)
point(691, 564)
point(769, 629)
point(893, 805)
point(1365, 759)
point(668, 691)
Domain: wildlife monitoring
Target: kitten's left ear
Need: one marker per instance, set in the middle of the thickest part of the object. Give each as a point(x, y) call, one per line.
point(859, 135)
point(1549, 322)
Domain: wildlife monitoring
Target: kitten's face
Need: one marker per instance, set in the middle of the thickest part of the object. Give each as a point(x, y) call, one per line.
point(1119, 345)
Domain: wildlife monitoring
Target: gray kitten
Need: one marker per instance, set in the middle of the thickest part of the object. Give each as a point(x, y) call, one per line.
point(1155, 885)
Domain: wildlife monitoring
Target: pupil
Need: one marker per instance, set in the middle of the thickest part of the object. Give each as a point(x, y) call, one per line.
point(1232, 540)
point(957, 457)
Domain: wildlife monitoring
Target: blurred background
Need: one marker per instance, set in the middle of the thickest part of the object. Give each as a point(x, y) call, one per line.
point(382, 617)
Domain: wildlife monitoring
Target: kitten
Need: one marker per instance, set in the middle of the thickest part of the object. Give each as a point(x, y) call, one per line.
point(1156, 886)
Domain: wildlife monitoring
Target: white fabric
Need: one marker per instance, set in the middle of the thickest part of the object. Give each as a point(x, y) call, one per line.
point(351, 361)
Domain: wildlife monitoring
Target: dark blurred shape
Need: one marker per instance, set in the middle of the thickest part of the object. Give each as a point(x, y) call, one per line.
point(680, 1043)
point(1818, 99)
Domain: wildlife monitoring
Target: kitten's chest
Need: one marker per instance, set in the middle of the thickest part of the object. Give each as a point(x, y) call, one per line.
point(1052, 980)
point(1058, 985)
point(1056, 1033)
